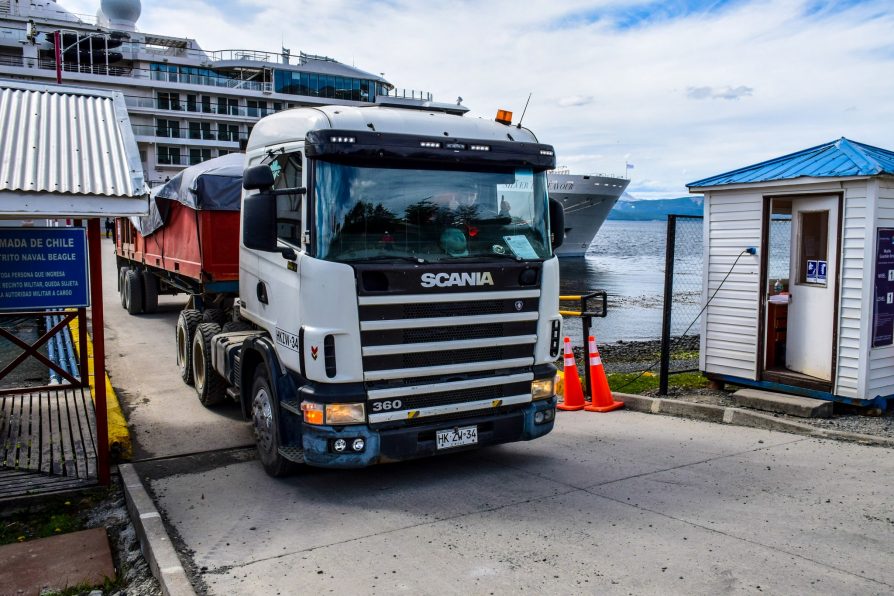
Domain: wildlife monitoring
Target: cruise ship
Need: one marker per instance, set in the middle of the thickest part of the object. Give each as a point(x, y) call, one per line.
point(587, 200)
point(186, 104)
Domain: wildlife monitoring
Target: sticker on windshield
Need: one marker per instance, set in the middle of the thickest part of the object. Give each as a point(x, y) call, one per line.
point(521, 247)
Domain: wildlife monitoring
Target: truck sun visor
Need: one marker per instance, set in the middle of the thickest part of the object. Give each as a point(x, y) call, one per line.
point(213, 185)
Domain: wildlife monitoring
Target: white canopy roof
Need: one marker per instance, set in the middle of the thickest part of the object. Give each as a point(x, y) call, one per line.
point(67, 152)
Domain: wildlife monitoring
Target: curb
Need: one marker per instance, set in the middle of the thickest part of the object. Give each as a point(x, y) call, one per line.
point(119, 434)
point(154, 541)
point(740, 417)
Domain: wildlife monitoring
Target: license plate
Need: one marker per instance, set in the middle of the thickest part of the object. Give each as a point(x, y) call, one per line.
point(456, 437)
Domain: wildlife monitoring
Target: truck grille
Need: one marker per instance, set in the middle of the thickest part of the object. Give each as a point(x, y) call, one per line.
point(434, 355)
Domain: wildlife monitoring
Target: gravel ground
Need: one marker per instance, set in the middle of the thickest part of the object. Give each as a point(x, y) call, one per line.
point(112, 515)
point(636, 356)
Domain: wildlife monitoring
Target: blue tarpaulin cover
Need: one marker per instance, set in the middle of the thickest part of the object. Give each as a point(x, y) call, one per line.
point(213, 185)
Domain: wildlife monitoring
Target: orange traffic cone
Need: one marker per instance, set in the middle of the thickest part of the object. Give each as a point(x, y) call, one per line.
point(574, 395)
point(599, 389)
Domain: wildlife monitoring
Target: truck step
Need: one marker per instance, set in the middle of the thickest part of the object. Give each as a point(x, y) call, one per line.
point(292, 453)
point(292, 405)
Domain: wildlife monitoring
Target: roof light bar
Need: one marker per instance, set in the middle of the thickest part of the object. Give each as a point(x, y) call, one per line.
point(545, 152)
point(430, 144)
point(342, 139)
point(479, 147)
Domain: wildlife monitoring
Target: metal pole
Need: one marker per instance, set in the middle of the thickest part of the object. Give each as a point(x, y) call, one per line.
point(57, 41)
point(664, 371)
point(587, 323)
point(99, 351)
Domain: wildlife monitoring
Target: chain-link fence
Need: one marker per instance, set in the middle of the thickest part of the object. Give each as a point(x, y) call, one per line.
point(681, 321)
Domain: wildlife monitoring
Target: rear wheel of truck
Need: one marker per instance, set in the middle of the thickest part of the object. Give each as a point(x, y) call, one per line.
point(215, 315)
point(122, 273)
point(265, 423)
point(210, 386)
point(150, 292)
point(133, 291)
point(187, 322)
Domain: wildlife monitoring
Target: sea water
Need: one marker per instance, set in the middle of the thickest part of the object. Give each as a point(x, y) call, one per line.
point(626, 259)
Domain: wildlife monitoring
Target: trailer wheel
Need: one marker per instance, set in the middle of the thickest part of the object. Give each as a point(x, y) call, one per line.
point(133, 291)
point(122, 273)
point(265, 424)
point(187, 322)
point(210, 386)
point(215, 315)
point(150, 292)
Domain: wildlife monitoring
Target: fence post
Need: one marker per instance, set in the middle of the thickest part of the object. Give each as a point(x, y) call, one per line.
point(664, 370)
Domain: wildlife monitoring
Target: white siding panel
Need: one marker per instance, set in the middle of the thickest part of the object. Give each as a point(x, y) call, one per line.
point(856, 206)
point(733, 222)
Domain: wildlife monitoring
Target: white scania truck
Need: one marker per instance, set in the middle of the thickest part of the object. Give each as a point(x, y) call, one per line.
point(398, 293)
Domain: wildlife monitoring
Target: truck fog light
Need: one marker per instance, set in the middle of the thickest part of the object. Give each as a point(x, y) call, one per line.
point(358, 444)
point(345, 413)
point(538, 418)
point(543, 388)
point(339, 445)
point(548, 415)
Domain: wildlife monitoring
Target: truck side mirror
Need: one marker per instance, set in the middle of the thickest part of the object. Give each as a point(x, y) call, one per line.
point(257, 178)
point(556, 223)
point(259, 221)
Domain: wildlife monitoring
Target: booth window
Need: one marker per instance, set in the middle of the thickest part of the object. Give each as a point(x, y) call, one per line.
point(814, 243)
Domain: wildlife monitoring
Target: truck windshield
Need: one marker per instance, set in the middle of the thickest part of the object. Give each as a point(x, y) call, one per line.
point(376, 213)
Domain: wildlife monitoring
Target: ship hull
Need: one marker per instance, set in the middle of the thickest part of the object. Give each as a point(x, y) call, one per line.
point(587, 201)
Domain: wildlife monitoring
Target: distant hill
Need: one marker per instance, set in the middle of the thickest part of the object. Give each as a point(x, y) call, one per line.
point(630, 209)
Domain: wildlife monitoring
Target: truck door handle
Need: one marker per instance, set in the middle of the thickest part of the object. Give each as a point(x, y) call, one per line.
point(262, 293)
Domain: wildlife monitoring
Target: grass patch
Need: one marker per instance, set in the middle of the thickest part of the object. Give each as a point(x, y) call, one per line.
point(629, 383)
point(56, 515)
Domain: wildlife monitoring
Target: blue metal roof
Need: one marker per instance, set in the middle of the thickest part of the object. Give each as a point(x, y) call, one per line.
point(831, 160)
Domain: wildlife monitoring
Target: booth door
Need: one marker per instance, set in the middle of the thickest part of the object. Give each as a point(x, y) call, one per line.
point(811, 314)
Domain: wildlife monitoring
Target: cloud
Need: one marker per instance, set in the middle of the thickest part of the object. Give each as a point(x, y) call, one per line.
point(605, 86)
point(719, 92)
point(576, 100)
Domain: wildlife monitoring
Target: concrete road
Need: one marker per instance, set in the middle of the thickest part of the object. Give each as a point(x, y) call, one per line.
point(618, 503)
point(613, 503)
point(164, 414)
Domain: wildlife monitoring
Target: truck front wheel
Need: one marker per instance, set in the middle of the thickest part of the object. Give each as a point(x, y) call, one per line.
point(265, 423)
point(187, 322)
point(210, 386)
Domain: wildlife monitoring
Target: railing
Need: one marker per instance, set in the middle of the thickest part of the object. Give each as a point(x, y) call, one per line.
point(186, 133)
point(591, 305)
point(408, 94)
point(184, 109)
point(207, 81)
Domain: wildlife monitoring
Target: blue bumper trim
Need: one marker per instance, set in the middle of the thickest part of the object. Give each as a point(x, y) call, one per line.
point(411, 442)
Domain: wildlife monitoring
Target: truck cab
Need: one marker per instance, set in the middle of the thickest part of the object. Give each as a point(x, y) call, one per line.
point(397, 273)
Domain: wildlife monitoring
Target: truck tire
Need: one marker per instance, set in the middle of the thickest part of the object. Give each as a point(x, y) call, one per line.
point(187, 322)
point(265, 424)
point(210, 386)
point(215, 315)
point(122, 273)
point(150, 292)
point(133, 290)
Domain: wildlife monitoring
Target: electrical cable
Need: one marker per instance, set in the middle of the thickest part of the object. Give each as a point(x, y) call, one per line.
point(725, 277)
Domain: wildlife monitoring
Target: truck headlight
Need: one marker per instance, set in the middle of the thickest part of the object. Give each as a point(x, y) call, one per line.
point(345, 413)
point(317, 414)
point(543, 388)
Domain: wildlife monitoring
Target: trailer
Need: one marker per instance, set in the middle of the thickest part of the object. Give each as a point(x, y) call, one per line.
point(189, 242)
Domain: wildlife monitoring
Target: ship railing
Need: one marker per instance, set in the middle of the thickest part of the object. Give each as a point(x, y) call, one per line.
point(169, 104)
point(204, 80)
point(408, 94)
point(186, 133)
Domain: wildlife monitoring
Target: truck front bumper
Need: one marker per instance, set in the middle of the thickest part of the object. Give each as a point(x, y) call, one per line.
point(409, 442)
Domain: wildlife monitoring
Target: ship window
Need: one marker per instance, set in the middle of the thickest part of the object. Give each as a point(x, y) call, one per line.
point(168, 155)
point(199, 155)
point(287, 174)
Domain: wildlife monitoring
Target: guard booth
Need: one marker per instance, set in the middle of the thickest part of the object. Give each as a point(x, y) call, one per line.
point(67, 159)
point(812, 311)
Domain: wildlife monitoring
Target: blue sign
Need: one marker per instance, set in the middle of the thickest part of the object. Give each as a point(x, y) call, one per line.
point(811, 272)
point(821, 271)
point(883, 294)
point(43, 268)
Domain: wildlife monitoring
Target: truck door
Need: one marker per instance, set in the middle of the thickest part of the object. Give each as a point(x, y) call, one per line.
point(278, 277)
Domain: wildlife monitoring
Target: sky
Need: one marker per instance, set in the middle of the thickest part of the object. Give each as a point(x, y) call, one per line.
point(680, 90)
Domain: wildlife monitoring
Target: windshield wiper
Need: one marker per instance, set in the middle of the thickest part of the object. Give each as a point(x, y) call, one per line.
point(387, 258)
